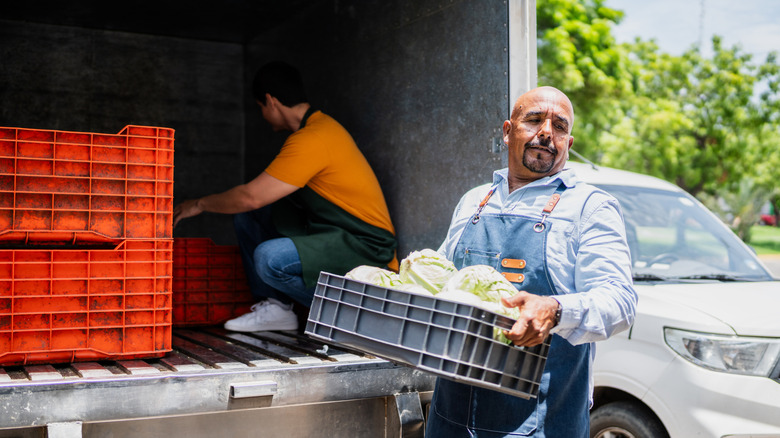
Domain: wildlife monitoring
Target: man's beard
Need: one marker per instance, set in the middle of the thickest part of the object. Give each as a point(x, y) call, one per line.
point(533, 159)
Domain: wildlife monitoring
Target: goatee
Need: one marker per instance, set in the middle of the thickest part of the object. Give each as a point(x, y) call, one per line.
point(534, 159)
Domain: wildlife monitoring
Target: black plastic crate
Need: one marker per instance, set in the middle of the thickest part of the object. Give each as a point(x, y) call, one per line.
point(449, 339)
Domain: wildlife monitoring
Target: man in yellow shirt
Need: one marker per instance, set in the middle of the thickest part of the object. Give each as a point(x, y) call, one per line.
point(317, 207)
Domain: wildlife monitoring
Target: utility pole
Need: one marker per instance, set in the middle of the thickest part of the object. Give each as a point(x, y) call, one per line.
point(701, 24)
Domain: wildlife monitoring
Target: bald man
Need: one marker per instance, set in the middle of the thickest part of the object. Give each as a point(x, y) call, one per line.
point(576, 284)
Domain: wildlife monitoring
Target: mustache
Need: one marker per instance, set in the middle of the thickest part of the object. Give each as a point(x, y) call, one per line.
point(545, 146)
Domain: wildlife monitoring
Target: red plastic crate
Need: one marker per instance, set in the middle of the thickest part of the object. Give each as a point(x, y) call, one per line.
point(209, 283)
point(60, 187)
point(72, 305)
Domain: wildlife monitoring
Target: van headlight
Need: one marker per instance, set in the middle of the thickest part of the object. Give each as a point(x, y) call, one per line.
point(729, 354)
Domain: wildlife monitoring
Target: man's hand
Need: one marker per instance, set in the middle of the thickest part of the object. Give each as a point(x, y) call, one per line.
point(537, 318)
point(188, 208)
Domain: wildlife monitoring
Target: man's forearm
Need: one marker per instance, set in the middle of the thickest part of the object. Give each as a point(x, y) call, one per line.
point(235, 200)
point(258, 193)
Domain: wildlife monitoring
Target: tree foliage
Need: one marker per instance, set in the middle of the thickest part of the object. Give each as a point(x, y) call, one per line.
point(710, 124)
point(693, 120)
point(578, 54)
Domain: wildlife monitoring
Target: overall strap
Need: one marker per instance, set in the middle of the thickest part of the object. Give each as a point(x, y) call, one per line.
point(306, 115)
point(482, 204)
point(548, 208)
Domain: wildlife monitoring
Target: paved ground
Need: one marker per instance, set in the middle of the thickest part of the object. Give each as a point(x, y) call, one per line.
point(772, 262)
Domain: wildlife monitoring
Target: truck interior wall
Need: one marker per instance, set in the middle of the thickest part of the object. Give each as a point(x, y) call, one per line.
point(421, 84)
point(79, 79)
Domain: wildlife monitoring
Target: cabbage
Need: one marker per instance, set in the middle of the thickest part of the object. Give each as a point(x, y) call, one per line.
point(426, 272)
point(426, 268)
point(374, 275)
point(460, 296)
point(413, 288)
point(487, 284)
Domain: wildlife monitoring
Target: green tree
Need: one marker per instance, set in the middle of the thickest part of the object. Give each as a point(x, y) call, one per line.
point(578, 54)
point(698, 122)
point(694, 120)
point(742, 206)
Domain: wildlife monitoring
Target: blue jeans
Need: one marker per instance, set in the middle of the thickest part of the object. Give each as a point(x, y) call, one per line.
point(271, 261)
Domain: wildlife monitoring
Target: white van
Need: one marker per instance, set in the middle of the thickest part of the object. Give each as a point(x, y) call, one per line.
point(701, 359)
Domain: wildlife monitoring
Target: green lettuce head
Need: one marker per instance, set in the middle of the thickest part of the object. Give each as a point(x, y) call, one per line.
point(487, 284)
point(374, 275)
point(461, 297)
point(426, 268)
point(413, 288)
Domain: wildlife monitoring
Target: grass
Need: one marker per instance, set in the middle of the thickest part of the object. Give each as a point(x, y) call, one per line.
point(765, 239)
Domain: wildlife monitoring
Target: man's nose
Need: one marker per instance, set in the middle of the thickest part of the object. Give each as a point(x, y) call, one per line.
point(546, 129)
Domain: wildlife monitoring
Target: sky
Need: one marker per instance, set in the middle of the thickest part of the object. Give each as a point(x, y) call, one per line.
point(676, 25)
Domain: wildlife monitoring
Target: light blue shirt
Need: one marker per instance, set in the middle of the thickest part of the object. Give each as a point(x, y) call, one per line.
point(587, 255)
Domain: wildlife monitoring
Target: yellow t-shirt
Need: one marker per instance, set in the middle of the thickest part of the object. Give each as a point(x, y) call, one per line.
point(323, 156)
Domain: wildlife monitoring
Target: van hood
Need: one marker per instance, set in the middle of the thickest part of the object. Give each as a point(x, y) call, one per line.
point(749, 308)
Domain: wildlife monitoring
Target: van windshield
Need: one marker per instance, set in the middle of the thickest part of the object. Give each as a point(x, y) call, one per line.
point(674, 237)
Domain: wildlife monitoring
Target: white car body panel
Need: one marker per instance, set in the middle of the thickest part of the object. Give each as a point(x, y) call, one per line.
point(690, 400)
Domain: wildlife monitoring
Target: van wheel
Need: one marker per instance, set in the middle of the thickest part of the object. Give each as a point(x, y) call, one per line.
point(625, 419)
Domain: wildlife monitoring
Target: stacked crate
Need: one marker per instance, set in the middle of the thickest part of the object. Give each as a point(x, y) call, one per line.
point(85, 244)
point(209, 283)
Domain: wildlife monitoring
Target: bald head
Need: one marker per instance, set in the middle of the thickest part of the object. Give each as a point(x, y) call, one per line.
point(538, 135)
point(549, 93)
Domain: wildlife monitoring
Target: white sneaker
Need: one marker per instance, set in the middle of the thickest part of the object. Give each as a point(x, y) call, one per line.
point(266, 315)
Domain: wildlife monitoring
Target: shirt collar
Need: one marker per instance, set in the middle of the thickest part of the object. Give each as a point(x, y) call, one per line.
point(566, 176)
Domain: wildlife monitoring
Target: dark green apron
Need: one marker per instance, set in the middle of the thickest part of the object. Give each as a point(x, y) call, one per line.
point(327, 237)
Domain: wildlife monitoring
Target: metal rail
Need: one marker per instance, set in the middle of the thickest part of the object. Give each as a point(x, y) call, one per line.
point(209, 371)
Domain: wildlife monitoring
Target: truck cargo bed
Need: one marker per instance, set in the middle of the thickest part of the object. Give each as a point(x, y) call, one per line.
point(209, 371)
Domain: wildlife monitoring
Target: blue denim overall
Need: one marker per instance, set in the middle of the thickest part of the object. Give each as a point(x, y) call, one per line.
point(561, 408)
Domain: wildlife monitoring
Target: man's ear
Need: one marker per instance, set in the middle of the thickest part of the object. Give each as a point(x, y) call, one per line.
point(571, 141)
point(507, 127)
point(270, 100)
